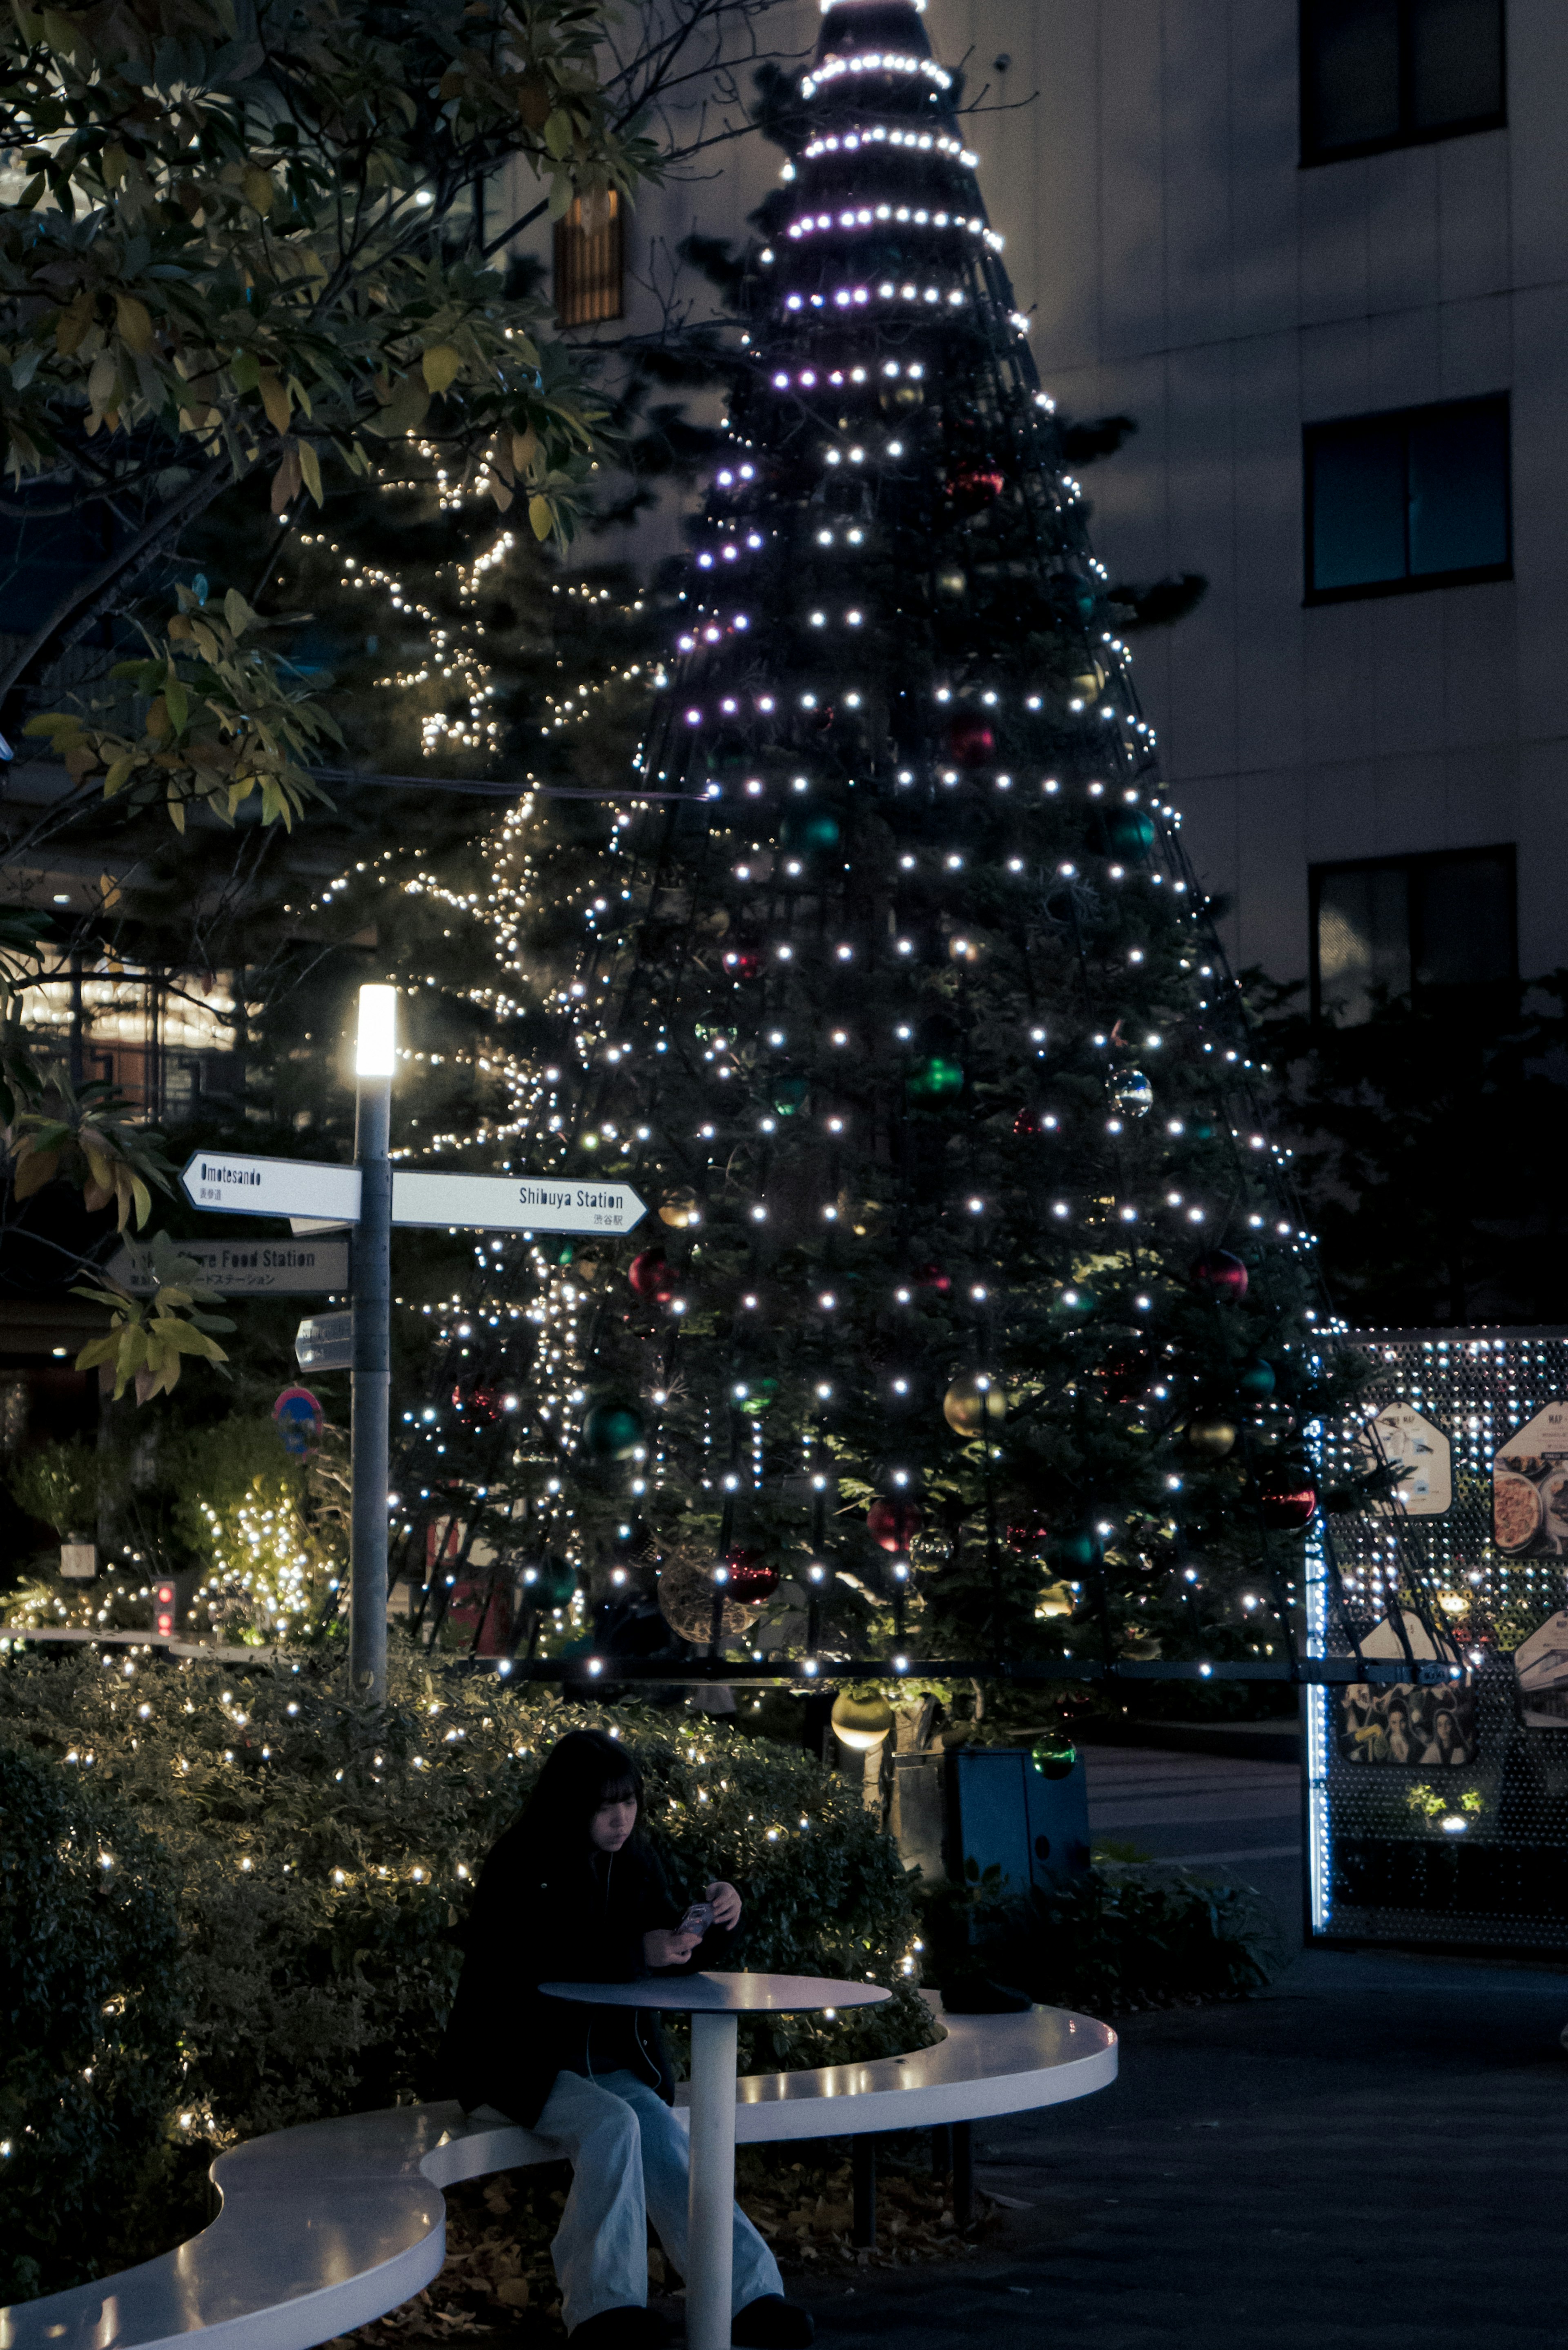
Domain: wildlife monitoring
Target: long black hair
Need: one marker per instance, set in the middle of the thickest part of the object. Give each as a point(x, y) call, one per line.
point(583, 1771)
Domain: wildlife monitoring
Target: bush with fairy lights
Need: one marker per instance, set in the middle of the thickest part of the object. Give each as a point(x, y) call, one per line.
point(262, 1537)
point(319, 1859)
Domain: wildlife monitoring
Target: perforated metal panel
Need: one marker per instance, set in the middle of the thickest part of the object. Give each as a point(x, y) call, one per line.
point(1438, 1802)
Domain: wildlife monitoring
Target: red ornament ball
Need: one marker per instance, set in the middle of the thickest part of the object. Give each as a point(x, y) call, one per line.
point(748, 1576)
point(894, 1524)
point(1027, 1536)
point(970, 741)
point(1287, 1503)
point(483, 1400)
point(1221, 1275)
point(651, 1277)
point(974, 486)
point(1125, 1373)
point(932, 1276)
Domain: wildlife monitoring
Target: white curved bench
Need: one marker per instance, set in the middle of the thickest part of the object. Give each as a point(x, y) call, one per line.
point(330, 2225)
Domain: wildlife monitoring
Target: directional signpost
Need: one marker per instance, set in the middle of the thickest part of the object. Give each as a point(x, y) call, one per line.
point(238, 1186)
point(324, 1342)
point(230, 1185)
point(511, 1203)
point(372, 1196)
point(246, 1268)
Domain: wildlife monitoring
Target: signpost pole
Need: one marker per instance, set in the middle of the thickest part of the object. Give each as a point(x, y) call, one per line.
point(374, 1063)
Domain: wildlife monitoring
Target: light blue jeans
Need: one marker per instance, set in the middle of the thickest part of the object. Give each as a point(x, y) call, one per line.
point(629, 2159)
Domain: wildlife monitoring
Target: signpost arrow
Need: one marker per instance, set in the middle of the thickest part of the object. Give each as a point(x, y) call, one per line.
point(324, 1342)
point(236, 1186)
point(246, 1268)
point(515, 1203)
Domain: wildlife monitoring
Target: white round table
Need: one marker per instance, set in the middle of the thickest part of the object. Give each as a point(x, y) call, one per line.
point(714, 2003)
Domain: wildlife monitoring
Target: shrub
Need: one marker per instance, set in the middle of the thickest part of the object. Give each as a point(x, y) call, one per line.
point(323, 1858)
point(1116, 1939)
point(93, 1995)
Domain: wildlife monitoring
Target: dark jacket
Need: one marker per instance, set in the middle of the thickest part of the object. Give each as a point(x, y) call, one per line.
point(542, 1917)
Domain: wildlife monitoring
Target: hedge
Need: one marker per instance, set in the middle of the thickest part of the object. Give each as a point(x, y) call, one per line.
point(298, 1870)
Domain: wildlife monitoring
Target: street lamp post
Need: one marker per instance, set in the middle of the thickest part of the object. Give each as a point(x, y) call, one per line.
point(375, 1061)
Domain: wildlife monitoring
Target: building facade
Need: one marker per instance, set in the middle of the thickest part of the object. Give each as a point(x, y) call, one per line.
point(1318, 251)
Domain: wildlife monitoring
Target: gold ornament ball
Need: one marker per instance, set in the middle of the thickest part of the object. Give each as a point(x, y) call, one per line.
point(1141, 1647)
point(861, 1722)
point(680, 1208)
point(970, 1401)
point(686, 1589)
point(1214, 1438)
point(1056, 1599)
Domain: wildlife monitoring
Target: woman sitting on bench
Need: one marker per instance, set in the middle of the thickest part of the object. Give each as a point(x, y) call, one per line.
point(575, 1892)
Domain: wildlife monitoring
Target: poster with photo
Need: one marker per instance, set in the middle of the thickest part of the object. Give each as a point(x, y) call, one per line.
point(1540, 1669)
point(1530, 1488)
point(1420, 1455)
point(1423, 1729)
point(1405, 1725)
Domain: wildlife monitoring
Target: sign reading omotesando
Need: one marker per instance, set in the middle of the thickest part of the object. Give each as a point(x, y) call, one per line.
point(241, 1186)
point(262, 1268)
point(238, 1186)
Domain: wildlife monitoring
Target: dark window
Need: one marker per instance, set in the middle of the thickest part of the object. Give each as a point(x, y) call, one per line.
point(1400, 927)
point(588, 262)
point(1385, 73)
point(1415, 499)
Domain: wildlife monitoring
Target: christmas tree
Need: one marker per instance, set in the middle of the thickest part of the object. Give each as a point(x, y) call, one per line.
point(973, 1322)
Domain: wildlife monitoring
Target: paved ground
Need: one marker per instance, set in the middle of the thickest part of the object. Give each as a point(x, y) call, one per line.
point(1203, 1809)
point(1374, 2151)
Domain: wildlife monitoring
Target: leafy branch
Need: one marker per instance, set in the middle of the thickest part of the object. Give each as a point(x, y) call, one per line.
point(221, 724)
point(148, 1338)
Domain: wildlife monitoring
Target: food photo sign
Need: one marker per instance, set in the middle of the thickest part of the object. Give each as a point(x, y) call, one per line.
point(1530, 1488)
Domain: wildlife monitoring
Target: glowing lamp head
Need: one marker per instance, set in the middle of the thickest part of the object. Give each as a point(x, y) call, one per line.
point(376, 1046)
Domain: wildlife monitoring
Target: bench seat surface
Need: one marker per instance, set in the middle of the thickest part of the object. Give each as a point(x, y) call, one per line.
point(326, 2227)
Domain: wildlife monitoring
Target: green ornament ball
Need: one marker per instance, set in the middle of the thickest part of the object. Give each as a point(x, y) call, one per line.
point(1070, 1554)
point(613, 1430)
point(807, 831)
point(936, 1079)
point(1255, 1380)
point(1129, 831)
point(789, 1095)
point(1053, 1756)
point(550, 1583)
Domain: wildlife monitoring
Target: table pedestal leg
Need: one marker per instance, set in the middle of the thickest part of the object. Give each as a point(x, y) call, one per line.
point(710, 2257)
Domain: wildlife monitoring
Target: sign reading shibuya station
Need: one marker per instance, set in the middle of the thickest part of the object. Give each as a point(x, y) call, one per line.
point(236, 1186)
point(246, 1268)
point(511, 1203)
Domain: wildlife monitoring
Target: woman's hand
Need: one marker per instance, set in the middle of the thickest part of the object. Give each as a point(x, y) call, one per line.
point(726, 1903)
point(663, 1947)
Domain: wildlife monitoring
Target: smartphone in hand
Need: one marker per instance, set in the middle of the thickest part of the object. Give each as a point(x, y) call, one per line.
point(698, 1920)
